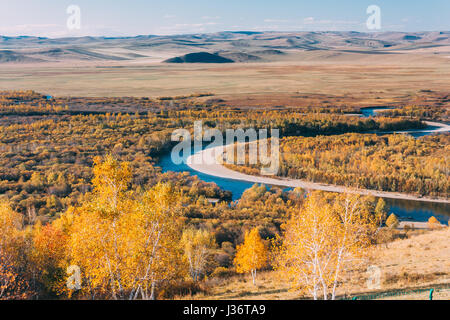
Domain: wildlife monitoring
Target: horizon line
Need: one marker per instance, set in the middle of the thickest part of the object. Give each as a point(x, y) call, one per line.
point(224, 31)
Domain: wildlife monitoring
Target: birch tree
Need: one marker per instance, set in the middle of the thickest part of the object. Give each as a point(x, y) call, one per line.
point(197, 245)
point(126, 244)
point(322, 240)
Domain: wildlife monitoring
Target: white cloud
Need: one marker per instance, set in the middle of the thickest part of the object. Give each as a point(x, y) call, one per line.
point(187, 28)
point(308, 20)
point(57, 31)
point(195, 25)
point(31, 29)
point(312, 24)
point(276, 20)
point(211, 18)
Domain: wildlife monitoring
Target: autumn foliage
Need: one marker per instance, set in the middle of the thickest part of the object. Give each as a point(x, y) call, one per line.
point(81, 191)
point(392, 221)
point(126, 244)
point(252, 255)
point(47, 176)
point(397, 163)
point(197, 245)
point(433, 223)
point(12, 245)
point(326, 237)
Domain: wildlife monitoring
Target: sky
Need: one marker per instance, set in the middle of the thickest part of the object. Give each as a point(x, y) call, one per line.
point(48, 18)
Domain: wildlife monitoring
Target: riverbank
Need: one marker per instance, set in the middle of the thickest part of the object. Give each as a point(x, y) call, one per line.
point(206, 162)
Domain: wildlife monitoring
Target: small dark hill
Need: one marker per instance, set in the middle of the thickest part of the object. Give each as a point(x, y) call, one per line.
point(199, 57)
point(411, 38)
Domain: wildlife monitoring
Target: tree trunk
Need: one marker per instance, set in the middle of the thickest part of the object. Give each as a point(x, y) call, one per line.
point(315, 292)
point(152, 292)
point(254, 276)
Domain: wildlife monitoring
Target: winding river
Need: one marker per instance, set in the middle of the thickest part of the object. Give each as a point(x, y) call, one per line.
point(405, 209)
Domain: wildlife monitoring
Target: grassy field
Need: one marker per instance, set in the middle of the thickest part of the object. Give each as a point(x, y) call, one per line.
point(304, 79)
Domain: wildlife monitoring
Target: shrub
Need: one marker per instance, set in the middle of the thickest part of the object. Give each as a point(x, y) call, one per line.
point(392, 222)
point(221, 272)
point(433, 223)
point(180, 289)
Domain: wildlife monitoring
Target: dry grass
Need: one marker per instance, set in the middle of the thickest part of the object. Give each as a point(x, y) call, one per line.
point(269, 286)
point(421, 261)
point(304, 79)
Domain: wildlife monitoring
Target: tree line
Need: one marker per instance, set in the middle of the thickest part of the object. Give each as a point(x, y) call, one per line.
point(45, 161)
point(398, 163)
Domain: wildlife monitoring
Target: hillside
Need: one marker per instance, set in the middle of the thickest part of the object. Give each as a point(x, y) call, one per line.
point(420, 261)
point(244, 46)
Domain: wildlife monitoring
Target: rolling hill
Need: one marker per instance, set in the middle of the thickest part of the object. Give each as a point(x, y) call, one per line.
point(215, 47)
point(199, 57)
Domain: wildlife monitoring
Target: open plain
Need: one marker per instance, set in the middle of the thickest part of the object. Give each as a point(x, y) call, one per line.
point(269, 69)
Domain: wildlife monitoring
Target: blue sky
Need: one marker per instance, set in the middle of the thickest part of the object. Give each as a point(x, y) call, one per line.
point(133, 17)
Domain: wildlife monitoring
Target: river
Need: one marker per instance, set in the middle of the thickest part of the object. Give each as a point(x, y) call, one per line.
point(404, 209)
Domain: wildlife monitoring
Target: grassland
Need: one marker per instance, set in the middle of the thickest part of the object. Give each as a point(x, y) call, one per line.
point(292, 69)
point(292, 83)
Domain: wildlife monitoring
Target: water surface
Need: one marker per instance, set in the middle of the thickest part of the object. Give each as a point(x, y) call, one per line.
point(404, 209)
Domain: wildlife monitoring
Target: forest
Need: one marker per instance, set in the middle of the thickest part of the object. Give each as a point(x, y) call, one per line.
point(430, 113)
point(158, 242)
point(83, 201)
point(47, 153)
point(398, 163)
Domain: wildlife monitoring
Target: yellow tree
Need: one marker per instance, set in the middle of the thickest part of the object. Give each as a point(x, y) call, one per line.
point(12, 246)
point(111, 180)
point(433, 223)
point(197, 244)
point(11, 224)
point(322, 240)
point(357, 229)
point(381, 209)
point(125, 244)
point(49, 257)
point(251, 255)
point(392, 221)
point(159, 222)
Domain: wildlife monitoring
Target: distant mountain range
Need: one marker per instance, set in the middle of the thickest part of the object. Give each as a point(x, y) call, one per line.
point(222, 47)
